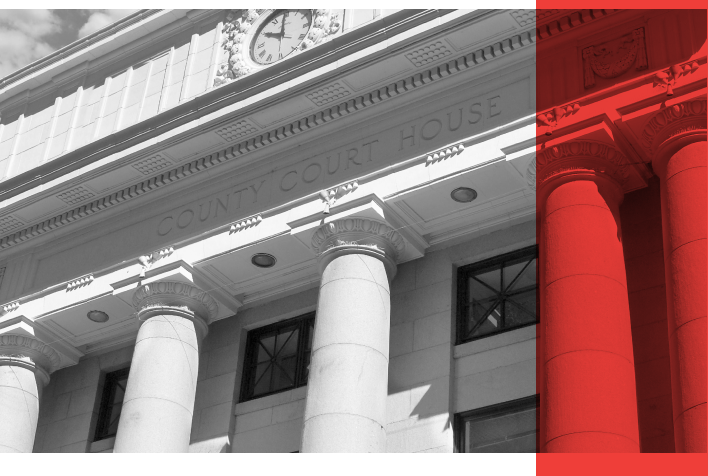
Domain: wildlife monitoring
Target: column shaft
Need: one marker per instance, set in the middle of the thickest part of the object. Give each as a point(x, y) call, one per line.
point(348, 379)
point(159, 400)
point(683, 207)
point(19, 408)
point(590, 396)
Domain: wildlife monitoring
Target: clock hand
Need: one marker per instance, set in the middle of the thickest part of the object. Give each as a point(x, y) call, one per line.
point(282, 34)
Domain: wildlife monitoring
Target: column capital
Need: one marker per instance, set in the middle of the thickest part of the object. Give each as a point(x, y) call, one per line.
point(177, 298)
point(579, 160)
point(358, 235)
point(673, 127)
point(30, 353)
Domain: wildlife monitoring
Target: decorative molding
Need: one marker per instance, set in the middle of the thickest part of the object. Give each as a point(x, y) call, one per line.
point(146, 261)
point(9, 223)
point(152, 164)
point(75, 195)
point(567, 22)
point(442, 154)
point(310, 122)
point(667, 78)
point(79, 282)
point(329, 93)
point(175, 294)
point(241, 225)
point(559, 159)
point(39, 352)
point(236, 130)
point(358, 232)
point(238, 30)
point(2, 275)
point(9, 307)
point(673, 120)
point(614, 58)
point(551, 119)
point(330, 196)
point(525, 17)
point(531, 175)
point(424, 55)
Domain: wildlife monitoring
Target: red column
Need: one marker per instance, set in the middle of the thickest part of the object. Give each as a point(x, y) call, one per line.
point(589, 393)
point(683, 209)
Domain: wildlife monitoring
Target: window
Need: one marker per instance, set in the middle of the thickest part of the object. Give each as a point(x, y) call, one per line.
point(496, 295)
point(111, 404)
point(510, 427)
point(277, 357)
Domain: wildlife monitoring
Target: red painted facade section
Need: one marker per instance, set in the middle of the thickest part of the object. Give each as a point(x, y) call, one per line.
point(621, 227)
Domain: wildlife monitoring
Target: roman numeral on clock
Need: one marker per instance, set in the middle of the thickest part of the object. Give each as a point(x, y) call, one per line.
point(262, 54)
point(280, 55)
point(261, 45)
point(301, 37)
point(270, 57)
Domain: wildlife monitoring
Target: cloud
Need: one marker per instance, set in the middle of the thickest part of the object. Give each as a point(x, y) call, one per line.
point(101, 19)
point(21, 33)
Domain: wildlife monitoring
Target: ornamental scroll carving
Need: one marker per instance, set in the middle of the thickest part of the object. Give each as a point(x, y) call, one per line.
point(175, 294)
point(238, 29)
point(613, 58)
point(562, 158)
point(674, 120)
point(358, 232)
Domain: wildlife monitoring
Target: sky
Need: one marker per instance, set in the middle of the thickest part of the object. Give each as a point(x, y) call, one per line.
point(27, 35)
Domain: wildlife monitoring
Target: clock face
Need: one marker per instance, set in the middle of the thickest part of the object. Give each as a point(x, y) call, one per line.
point(280, 35)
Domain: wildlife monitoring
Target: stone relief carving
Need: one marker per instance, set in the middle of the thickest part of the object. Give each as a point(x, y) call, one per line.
point(442, 154)
point(531, 174)
point(330, 196)
point(557, 159)
point(553, 118)
point(613, 58)
point(667, 78)
point(358, 232)
point(79, 282)
point(9, 307)
point(28, 347)
point(237, 31)
point(241, 225)
point(674, 120)
point(175, 294)
point(146, 261)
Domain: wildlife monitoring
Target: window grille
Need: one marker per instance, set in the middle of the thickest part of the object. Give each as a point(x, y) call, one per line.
point(111, 404)
point(497, 295)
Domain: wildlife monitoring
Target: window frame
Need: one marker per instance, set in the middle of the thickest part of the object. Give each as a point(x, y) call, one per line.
point(253, 336)
point(498, 409)
point(109, 387)
point(463, 275)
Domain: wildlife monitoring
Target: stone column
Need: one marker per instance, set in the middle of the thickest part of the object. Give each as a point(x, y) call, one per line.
point(676, 139)
point(589, 391)
point(25, 363)
point(348, 378)
point(159, 398)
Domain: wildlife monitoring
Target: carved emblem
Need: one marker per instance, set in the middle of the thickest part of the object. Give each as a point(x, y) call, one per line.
point(613, 58)
point(553, 118)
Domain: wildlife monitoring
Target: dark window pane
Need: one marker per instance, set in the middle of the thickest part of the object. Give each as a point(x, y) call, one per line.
point(277, 357)
point(497, 294)
point(111, 403)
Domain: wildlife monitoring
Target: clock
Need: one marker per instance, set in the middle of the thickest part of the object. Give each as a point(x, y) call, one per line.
point(280, 35)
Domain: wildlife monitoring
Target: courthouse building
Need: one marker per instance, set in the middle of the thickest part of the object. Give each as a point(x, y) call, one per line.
point(318, 230)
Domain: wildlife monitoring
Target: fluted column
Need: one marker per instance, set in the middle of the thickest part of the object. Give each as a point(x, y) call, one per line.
point(25, 363)
point(348, 378)
point(676, 140)
point(159, 400)
point(589, 393)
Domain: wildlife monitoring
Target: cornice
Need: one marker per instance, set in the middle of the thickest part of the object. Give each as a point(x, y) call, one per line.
point(556, 22)
point(275, 135)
